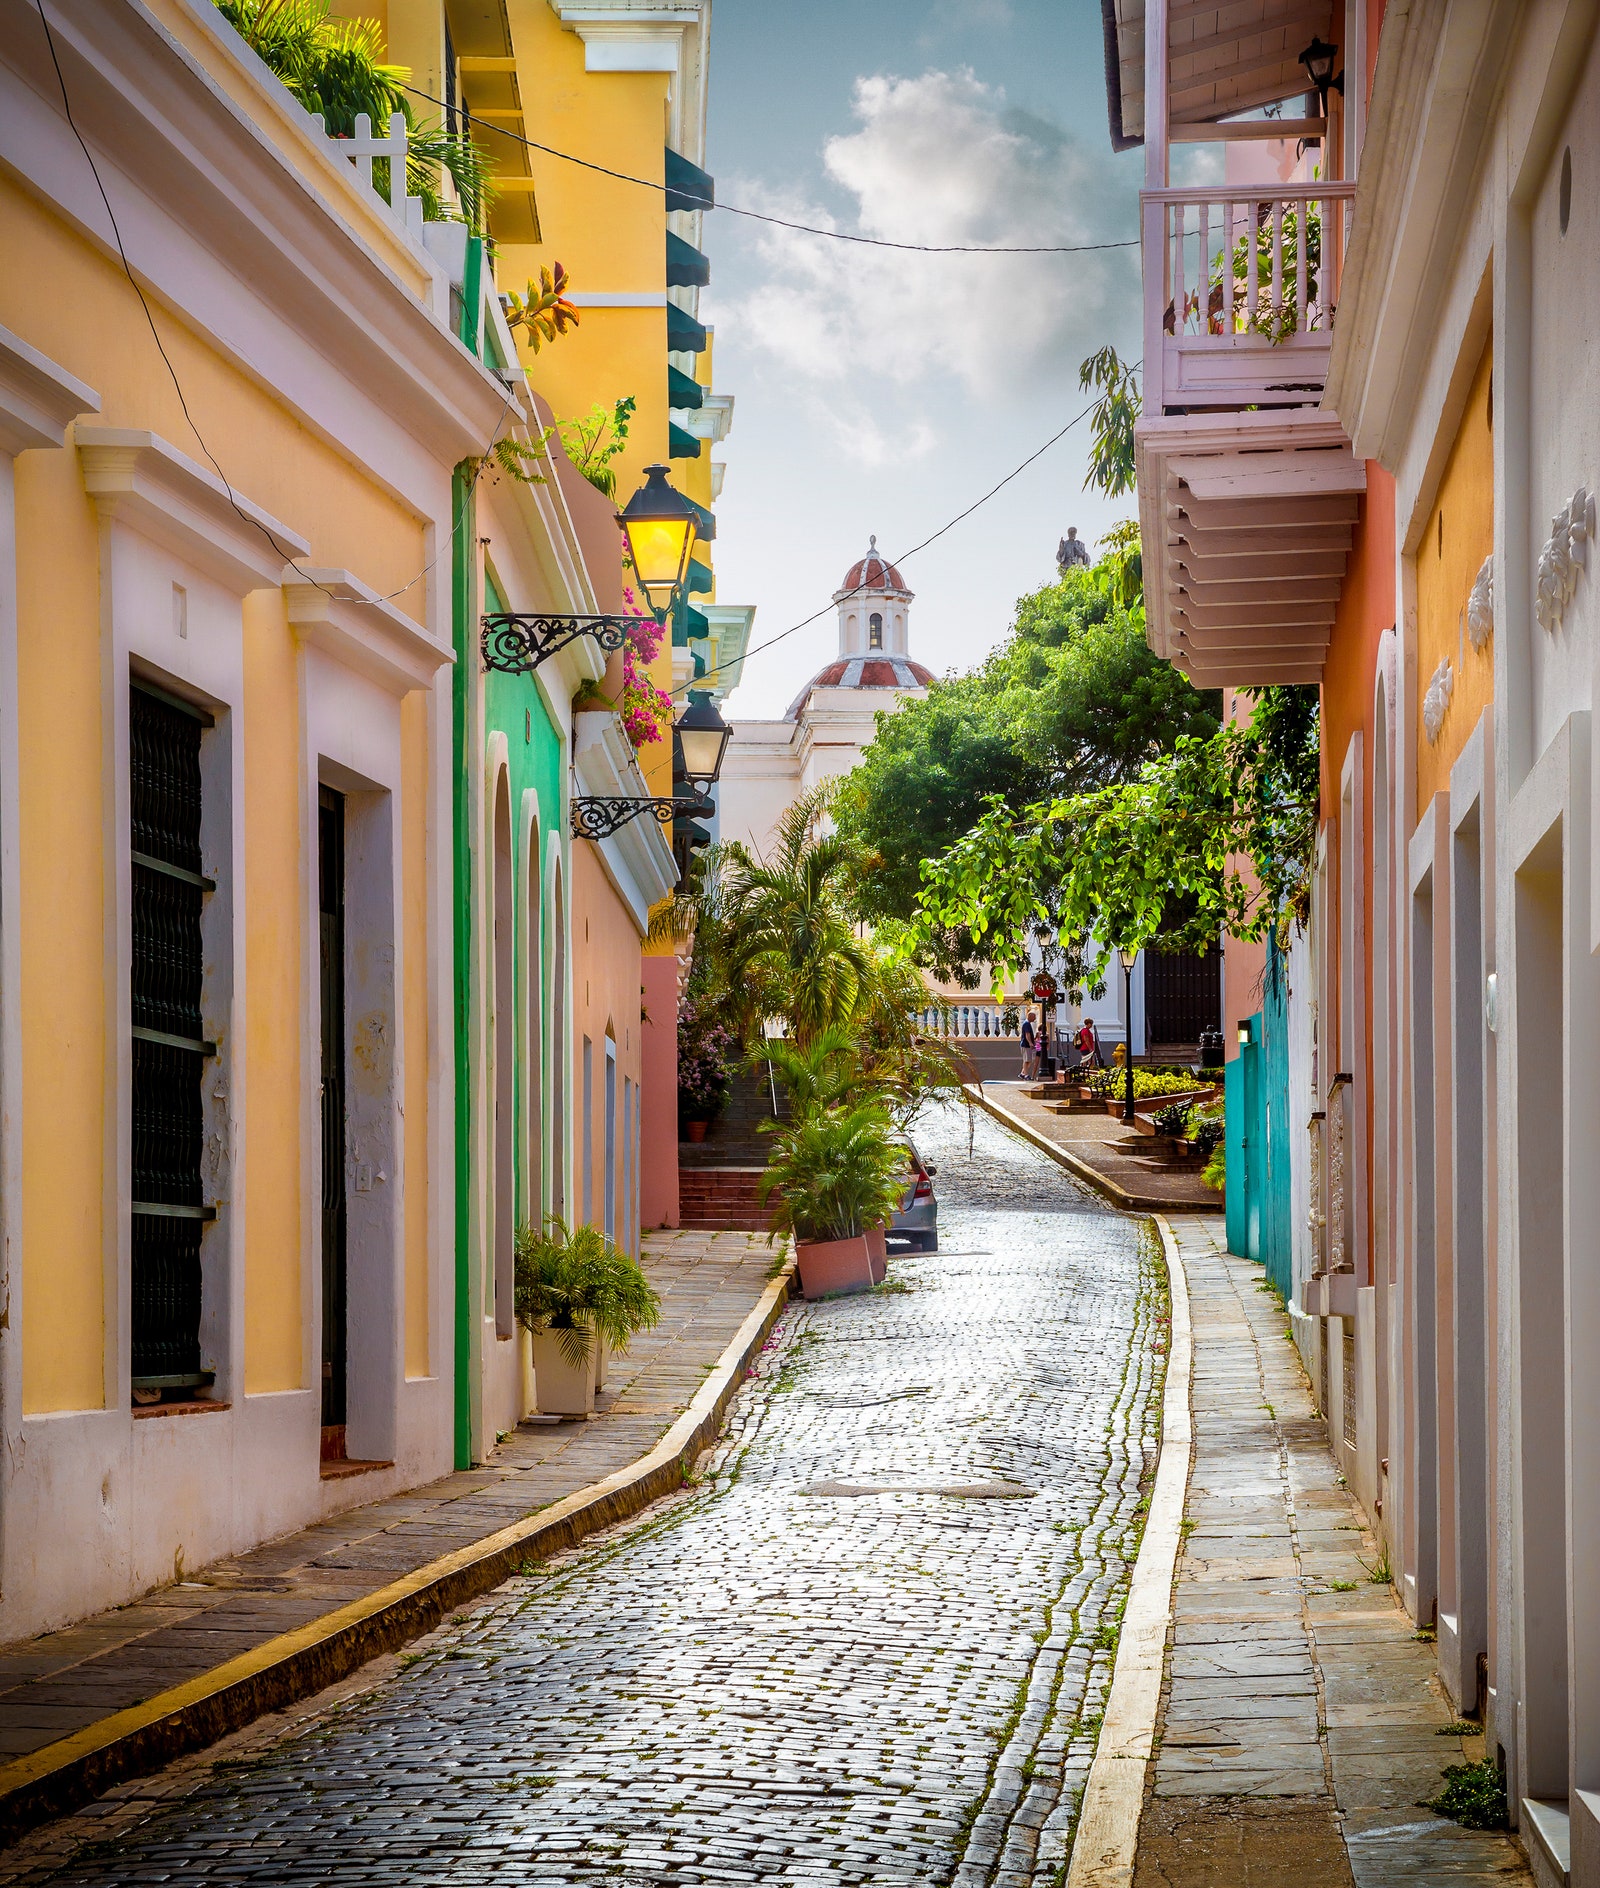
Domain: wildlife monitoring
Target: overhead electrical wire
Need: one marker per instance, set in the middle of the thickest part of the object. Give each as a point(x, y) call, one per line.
point(783, 222)
point(1016, 471)
point(280, 550)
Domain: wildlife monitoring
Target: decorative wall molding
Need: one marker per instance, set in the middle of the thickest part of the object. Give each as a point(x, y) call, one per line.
point(138, 478)
point(1480, 605)
point(337, 613)
point(38, 399)
point(1437, 700)
point(1565, 554)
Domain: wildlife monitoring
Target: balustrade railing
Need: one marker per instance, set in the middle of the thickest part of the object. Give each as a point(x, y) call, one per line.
point(1244, 269)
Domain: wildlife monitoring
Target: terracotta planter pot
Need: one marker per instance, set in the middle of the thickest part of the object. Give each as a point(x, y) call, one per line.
point(837, 1265)
point(695, 1130)
point(878, 1252)
point(561, 1389)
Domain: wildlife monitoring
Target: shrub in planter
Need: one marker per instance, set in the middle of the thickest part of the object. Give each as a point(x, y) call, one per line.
point(571, 1288)
point(835, 1176)
point(1172, 1120)
point(706, 1051)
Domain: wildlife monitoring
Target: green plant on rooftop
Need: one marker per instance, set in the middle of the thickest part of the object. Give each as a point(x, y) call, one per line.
point(336, 67)
point(593, 442)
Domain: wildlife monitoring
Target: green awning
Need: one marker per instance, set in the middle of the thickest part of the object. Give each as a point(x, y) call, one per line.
point(681, 445)
point(685, 335)
point(688, 186)
point(682, 391)
point(701, 580)
point(699, 627)
point(687, 267)
point(705, 522)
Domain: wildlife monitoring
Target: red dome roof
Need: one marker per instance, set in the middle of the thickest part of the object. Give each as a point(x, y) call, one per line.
point(873, 671)
point(874, 572)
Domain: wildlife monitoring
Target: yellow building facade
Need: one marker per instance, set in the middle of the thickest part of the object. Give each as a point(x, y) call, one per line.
point(230, 424)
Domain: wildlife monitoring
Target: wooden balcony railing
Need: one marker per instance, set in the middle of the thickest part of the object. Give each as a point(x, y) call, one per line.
point(1241, 283)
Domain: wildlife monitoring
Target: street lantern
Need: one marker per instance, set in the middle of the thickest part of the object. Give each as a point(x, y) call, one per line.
point(1318, 60)
point(659, 524)
point(703, 738)
point(1129, 958)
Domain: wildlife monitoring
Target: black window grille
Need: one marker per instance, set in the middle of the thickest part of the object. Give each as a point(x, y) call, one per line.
point(169, 1049)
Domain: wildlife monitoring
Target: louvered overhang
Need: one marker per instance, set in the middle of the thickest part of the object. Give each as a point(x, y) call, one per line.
point(1253, 541)
point(1223, 59)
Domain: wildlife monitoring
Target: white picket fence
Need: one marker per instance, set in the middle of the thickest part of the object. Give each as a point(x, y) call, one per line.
point(361, 149)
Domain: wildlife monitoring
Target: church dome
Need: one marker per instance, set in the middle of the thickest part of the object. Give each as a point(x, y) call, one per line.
point(874, 572)
point(874, 671)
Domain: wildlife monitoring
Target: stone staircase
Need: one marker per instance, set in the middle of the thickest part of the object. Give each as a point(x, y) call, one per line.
point(718, 1177)
point(721, 1197)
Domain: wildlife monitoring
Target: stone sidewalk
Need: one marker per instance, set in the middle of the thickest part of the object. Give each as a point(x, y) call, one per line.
point(63, 1682)
point(1119, 1159)
point(1301, 1724)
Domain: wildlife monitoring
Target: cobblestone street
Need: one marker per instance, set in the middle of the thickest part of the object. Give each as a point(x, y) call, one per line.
point(870, 1646)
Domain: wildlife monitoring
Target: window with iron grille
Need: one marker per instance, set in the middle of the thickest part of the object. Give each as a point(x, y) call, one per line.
point(169, 1046)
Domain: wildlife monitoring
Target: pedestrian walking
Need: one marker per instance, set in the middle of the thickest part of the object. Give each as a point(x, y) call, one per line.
point(1089, 1043)
point(1030, 1047)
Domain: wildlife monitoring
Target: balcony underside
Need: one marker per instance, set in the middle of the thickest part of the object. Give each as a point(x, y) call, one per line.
point(1252, 519)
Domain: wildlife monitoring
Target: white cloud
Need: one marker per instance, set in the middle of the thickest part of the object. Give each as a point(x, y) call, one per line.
point(940, 159)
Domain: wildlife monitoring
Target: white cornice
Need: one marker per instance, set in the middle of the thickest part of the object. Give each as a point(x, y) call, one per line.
point(637, 858)
point(137, 478)
point(712, 419)
point(38, 399)
point(337, 613)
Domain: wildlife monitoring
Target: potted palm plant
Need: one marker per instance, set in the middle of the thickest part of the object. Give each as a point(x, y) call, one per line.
point(834, 1180)
point(575, 1290)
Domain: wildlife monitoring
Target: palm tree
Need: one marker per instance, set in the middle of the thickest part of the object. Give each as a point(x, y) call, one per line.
point(794, 949)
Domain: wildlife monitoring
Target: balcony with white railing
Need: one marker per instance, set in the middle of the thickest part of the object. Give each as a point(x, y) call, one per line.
point(1241, 286)
point(1248, 492)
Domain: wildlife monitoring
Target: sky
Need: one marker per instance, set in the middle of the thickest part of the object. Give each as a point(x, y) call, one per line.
point(883, 392)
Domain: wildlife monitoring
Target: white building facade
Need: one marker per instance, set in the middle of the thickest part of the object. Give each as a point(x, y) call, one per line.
point(771, 764)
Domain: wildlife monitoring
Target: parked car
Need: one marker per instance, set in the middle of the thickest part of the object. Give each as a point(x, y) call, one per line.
point(917, 1219)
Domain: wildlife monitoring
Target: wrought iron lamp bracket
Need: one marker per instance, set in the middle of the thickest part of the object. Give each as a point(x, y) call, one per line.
point(598, 816)
point(516, 643)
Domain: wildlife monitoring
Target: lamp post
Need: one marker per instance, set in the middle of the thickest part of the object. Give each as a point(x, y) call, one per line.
point(1129, 959)
point(659, 525)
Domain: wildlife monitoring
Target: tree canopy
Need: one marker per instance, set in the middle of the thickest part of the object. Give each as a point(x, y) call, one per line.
point(1072, 702)
point(1216, 835)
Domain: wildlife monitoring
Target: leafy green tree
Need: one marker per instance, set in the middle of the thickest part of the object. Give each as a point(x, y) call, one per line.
point(1217, 835)
point(1073, 702)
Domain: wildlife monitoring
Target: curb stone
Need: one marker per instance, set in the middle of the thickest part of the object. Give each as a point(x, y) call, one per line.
point(72, 1771)
point(1113, 1798)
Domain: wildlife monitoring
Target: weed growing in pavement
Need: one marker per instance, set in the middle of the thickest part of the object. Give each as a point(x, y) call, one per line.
point(1462, 1727)
point(892, 1288)
point(1343, 1586)
point(1474, 1795)
point(1380, 1574)
point(1426, 1635)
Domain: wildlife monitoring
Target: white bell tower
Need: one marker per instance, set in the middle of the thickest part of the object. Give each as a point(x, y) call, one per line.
point(874, 608)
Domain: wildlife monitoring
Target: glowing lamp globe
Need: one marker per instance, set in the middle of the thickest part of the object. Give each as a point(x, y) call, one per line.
point(659, 524)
